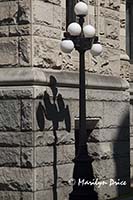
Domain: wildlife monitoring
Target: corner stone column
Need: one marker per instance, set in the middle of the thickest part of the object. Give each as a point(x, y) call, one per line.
point(30, 31)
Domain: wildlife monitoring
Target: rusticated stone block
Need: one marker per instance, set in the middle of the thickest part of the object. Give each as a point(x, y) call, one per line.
point(26, 115)
point(131, 175)
point(39, 8)
point(57, 17)
point(124, 69)
point(27, 157)
point(131, 142)
point(122, 43)
point(63, 192)
point(13, 12)
point(48, 177)
point(110, 43)
point(44, 155)
point(4, 13)
point(39, 178)
point(15, 139)
point(13, 195)
point(16, 179)
point(109, 134)
point(27, 196)
point(106, 192)
point(44, 31)
point(100, 95)
point(119, 114)
point(48, 194)
point(40, 138)
point(8, 51)
point(131, 116)
point(47, 138)
point(25, 51)
point(108, 62)
point(112, 29)
point(12, 93)
point(10, 115)
point(94, 109)
point(44, 176)
point(106, 169)
point(4, 31)
point(107, 150)
point(131, 130)
point(65, 173)
point(65, 154)
point(9, 156)
point(19, 30)
point(47, 53)
point(24, 12)
point(110, 14)
point(113, 4)
point(9, 195)
point(131, 157)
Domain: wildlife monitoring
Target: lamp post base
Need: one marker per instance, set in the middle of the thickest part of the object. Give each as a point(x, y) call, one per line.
point(83, 177)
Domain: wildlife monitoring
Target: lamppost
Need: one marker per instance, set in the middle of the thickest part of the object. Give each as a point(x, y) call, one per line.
point(82, 38)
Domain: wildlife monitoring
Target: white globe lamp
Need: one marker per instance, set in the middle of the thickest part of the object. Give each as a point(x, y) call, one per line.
point(74, 29)
point(89, 31)
point(96, 49)
point(67, 46)
point(81, 9)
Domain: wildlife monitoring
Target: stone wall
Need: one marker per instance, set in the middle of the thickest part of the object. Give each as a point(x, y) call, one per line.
point(15, 31)
point(29, 37)
point(38, 135)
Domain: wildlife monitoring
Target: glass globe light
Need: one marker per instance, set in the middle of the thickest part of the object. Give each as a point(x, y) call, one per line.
point(74, 29)
point(89, 31)
point(81, 9)
point(67, 46)
point(96, 49)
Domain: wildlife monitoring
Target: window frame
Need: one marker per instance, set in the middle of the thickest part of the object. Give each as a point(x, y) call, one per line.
point(129, 29)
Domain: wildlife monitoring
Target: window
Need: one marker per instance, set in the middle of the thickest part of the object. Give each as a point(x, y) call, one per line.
point(70, 16)
point(129, 29)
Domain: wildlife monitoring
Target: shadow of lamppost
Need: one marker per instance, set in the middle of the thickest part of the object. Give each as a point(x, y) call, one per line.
point(82, 38)
point(54, 110)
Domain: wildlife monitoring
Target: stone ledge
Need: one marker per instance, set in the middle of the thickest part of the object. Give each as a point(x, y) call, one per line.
point(37, 76)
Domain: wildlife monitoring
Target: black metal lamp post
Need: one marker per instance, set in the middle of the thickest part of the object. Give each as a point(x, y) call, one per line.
point(82, 38)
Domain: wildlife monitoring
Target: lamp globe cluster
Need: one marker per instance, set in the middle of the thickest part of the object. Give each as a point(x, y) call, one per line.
point(74, 29)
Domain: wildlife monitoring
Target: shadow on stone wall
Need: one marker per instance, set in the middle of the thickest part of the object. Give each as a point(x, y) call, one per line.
point(54, 110)
point(121, 150)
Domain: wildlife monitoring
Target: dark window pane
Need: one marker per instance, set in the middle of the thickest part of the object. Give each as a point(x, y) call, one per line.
point(131, 32)
point(129, 29)
point(70, 15)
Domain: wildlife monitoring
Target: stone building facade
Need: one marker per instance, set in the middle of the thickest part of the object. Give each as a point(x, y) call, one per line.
point(39, 100)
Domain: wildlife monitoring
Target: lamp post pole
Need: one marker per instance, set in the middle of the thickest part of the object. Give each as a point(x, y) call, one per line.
point(82, 38)
point(82, 102)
